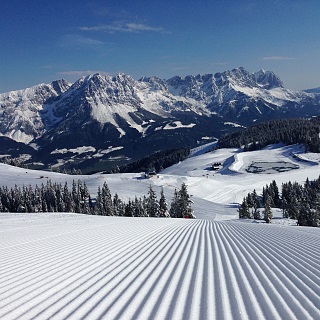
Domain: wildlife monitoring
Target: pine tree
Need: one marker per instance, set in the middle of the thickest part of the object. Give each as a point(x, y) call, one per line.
point(99, 204)
point(315, 217)
point(256, 206)
point(67, 198)
point(267, 213)
point(107, 200)
point(152, 203)
point(293, 208)
point(163, 206)
point(184, 203)
point(304, 215)
point(243, 210)
point(116, 204)
point(129, 209)
point(276, 196)
point(174, 205)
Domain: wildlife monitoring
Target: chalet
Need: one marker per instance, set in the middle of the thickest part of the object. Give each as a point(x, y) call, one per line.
point(216, 166)
point(149, 174)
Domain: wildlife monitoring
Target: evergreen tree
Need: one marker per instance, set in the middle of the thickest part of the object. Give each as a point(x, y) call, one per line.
point(152, 203)
point(107, 200)
point(184, 203)
point(163, 206)
point(276, 196)
point(315, 217)
point(99, 204)
point(256, 206)
point(116, 205)
point(129, 209)
point(67, 198)
point(174, 205)
point(267, 213)
point(243, 210)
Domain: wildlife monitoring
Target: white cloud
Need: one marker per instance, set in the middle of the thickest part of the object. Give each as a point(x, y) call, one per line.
point(74, 40)
point(123, 27)
point(277, 58)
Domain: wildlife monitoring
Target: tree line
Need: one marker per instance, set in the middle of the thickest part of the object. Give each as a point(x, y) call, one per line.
point(55, 197)
point(297, 201)
point(287, 131)
point(156, 161)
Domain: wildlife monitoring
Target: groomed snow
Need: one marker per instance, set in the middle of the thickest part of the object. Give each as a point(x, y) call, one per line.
point(71, 266)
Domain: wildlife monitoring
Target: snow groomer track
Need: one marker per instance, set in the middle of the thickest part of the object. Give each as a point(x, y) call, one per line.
point(69, 266)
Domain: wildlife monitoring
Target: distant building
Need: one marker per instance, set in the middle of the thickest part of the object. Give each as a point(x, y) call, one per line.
point(150, 174)
point(216, 166)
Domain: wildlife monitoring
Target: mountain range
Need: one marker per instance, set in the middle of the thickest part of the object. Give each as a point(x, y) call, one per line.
point(102, 121)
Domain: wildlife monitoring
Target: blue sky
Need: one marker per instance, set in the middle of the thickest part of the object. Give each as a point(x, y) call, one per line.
point(41, 41)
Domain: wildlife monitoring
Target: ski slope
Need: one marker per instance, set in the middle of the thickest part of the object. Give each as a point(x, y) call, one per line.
point(69, 266)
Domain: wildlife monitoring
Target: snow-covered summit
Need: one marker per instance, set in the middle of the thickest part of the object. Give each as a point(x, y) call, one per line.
point(26, 114)
point(98, 110)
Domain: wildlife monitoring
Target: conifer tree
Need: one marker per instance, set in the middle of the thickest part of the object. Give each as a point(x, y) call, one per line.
point(116, 204)
point(129, 209)
point(267, 213)
point(256, 206)
point(244, 210)
point(184, 203)
point(163, 206)
point(174, 205)
point(68, 201)
point(107, 200)
point(99, 204)
point(152, 203)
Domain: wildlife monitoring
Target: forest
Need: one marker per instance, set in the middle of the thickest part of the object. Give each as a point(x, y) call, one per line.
point(300, 202)
point(54, 197)
point(287, 131)
point(156, 161)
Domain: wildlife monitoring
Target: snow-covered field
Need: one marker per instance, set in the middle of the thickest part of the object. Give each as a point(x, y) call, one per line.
point(69, 266)
point(59, 266)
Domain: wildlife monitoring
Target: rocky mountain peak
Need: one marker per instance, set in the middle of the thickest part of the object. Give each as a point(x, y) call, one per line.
point(268, 79)
point(234, 93)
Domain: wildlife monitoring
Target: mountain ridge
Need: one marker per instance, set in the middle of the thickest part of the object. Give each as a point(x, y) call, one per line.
point(122, 113)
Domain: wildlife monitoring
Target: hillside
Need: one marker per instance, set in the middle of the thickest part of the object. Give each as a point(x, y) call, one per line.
point(287, 131)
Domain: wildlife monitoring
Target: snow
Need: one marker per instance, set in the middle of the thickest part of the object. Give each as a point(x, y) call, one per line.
point(178, 125)
point(27, 115)
point(276, 96)
point(236, 125)
point(232, 182)
point(203, 148)
point(79, 150)
point(58, 266)
point(101, 152)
